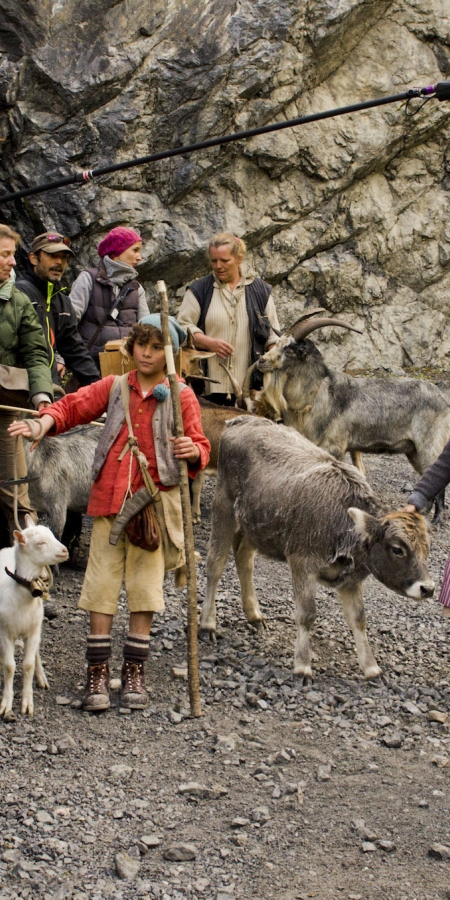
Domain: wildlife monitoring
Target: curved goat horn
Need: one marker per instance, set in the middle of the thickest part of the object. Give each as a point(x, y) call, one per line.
point(300, 332)
point(246, 385)
point(236, 386)
point(306, 315)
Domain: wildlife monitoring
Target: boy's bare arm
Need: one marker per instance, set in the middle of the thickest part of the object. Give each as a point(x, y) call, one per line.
point(32, 429)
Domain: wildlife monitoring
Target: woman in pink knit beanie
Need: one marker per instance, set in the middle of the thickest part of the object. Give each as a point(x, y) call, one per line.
point(118, 241)
point(107, 299)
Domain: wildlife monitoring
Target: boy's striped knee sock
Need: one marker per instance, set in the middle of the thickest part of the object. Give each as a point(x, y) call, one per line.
point(136, 648)
point(98, 649)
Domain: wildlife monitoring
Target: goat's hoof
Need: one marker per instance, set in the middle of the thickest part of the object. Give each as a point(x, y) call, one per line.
point(372, 673)
point(9, 716)
point(206, 634)
point(305, 675)
point(259, 625)
point(43, 684)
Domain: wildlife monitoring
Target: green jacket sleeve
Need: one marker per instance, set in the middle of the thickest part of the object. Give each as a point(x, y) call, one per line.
point(32, 347)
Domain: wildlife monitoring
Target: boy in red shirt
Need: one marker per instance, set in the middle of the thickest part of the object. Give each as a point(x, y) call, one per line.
point(117, 475)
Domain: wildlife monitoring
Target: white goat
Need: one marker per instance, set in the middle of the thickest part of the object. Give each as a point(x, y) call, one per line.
point(21, 607)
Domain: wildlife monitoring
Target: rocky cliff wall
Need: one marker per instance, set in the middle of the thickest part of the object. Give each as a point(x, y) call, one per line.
point(351, 213)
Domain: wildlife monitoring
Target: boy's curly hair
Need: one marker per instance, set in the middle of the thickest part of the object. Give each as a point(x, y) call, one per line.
point(141, 334)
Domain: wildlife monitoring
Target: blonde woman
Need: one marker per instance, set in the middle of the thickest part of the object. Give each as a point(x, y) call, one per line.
point(230, 313)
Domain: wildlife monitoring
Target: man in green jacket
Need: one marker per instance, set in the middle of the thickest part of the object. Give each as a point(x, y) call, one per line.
point(22, 344)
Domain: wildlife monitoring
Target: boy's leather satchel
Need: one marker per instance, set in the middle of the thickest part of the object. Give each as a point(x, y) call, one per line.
point(138, 519)
point(142, 529)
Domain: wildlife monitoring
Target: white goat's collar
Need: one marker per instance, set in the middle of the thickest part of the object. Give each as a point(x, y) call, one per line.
point(37, 586)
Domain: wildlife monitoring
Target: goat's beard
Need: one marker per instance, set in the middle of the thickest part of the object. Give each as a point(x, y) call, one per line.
point(272, 391)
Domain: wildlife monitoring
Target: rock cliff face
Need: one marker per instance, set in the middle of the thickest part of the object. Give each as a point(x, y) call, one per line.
point(350, 213)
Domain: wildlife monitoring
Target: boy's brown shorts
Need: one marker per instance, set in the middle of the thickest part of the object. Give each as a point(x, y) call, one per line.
point(109, 565)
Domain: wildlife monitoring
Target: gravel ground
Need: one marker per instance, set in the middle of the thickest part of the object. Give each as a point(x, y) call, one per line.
point(339, 790)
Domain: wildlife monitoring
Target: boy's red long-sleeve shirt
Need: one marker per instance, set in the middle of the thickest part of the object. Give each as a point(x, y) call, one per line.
point(90, 402)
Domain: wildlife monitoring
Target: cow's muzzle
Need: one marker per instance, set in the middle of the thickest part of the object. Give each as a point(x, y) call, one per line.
point(421, 590)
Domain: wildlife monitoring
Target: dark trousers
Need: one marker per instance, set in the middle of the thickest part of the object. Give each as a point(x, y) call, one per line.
point(11, 448)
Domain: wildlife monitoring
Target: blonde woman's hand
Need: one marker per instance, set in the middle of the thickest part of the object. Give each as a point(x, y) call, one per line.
point(221, 348)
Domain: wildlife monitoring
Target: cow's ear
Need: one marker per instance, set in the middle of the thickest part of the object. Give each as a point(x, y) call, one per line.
point(365, 524)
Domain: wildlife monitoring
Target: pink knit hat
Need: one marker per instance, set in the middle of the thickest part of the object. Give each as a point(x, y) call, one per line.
point(117, 240)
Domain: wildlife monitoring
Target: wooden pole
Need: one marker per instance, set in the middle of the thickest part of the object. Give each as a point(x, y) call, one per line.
point(192, 640)
point(20, 409)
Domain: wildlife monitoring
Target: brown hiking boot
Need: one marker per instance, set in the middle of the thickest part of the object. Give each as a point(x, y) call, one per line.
point(134, 694)
point(96, 695)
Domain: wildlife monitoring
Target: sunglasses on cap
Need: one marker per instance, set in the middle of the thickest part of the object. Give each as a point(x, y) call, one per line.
point(58, 239)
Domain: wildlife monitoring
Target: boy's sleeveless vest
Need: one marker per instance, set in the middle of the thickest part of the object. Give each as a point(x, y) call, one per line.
point(256, 296)
point(100, 304)
point(162, 428)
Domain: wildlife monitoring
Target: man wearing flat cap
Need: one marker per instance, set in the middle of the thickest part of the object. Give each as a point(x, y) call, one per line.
point(42, 284)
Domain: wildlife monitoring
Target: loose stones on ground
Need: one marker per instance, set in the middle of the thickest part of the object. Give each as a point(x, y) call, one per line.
point(234, 746)
point(126, 865)
point(180, 852)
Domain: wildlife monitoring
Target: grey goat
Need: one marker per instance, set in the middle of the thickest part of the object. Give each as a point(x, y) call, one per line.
point(342, 413)
point(60, 473)
point(282, 496)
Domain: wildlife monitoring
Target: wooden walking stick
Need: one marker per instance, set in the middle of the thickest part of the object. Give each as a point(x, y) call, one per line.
point(21, 410)
point(192, 643)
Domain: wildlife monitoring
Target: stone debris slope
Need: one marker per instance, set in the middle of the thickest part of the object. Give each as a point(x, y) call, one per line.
point(336, 790)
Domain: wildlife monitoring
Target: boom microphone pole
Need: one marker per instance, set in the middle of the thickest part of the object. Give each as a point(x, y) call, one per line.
point(441, 91)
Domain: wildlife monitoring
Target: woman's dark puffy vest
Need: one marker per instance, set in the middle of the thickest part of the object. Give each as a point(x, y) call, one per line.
point(100, 303)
